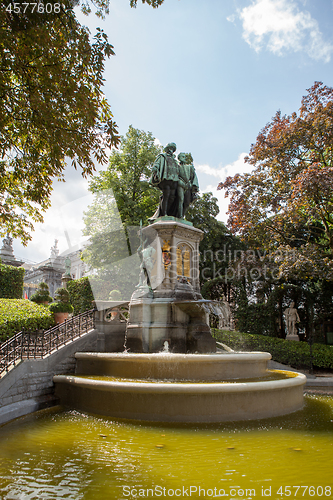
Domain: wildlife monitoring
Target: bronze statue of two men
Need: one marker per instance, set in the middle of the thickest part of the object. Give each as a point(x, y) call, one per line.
point(176, 179)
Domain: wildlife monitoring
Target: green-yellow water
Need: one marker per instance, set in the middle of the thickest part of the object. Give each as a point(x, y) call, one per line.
point(58, 454)
point(269, 376)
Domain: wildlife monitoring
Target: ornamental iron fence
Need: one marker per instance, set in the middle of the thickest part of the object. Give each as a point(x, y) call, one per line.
point(38, 345)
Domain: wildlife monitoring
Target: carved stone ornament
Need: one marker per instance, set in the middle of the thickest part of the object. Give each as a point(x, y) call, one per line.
point(117, 313)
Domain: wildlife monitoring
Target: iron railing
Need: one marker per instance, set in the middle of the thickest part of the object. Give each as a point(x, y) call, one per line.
point(37, 345)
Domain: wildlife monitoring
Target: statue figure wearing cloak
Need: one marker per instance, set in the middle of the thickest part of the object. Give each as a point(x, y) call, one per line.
point(188, 184)
point(177, 181)
point(165, 177)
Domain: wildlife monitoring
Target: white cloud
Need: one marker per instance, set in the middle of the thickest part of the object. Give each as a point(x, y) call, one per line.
point(281, 26)
point(236, 167)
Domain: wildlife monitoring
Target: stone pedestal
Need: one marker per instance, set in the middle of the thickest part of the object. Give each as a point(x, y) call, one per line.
point(168, 305)
point(65, 278)
point(7, 256)
point(292, 337)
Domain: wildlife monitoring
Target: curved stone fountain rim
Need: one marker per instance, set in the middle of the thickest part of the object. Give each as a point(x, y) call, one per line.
point(176, 357)
point(183, 387)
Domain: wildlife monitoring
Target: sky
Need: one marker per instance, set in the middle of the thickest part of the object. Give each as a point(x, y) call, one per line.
point(205, 74)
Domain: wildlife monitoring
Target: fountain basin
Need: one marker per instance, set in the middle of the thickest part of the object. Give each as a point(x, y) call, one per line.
point(182, 402)
point(189, 388)
point(208, 367)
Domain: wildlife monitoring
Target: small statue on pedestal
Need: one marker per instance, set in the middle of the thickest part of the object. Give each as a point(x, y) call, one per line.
point(291, 316)
point(68, 266)
point(7, 246)
point(54, 250)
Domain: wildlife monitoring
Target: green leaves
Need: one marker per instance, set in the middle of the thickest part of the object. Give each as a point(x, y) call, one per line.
point(52, 107)
point(16, 314)
point(62, 307)
point(42, 294)
point(153, 3)
point(80, 294)
point(11, 282)
point(123, 197)
point(217, 241)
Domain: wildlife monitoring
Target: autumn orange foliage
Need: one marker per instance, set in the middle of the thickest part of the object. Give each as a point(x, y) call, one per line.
point(287, 200)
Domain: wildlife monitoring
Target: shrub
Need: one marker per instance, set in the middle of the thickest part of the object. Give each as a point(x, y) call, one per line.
point(62, 295)
point(19, 314)
point(42, 294)
point(295, 354)
point(11, 282)
point(61, 303)
point(61, 307)
point(80, 294)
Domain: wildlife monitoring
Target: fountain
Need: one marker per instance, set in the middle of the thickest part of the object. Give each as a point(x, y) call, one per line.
point(171, 371)
point(180, 387)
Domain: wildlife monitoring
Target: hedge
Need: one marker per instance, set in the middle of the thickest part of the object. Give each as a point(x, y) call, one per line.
point(19, 314)
point(295, 354)
point(80, 295)
point(257, 318)
point(11, 282)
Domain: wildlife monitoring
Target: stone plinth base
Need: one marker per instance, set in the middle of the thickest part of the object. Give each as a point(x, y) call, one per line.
point(292, 337)
point(181, 323)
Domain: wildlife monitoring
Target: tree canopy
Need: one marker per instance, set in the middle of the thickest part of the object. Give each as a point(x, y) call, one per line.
point(216, 247)
point(122, 199)
point(286, 202)
point(52, 106)
point(128, 176)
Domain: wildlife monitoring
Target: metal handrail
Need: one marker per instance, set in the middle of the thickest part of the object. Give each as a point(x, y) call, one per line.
point(37, 345)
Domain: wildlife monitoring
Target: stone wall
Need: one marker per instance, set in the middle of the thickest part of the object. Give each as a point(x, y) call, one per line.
point(29, 387)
